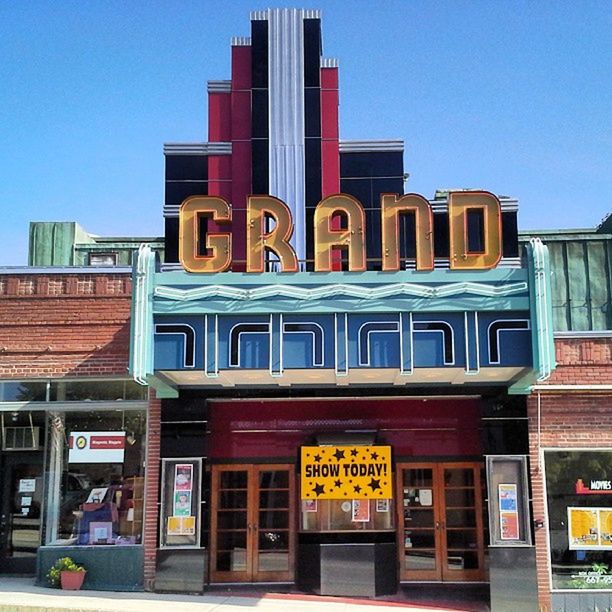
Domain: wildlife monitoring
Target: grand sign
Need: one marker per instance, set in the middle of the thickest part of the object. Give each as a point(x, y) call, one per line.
point(339, 224)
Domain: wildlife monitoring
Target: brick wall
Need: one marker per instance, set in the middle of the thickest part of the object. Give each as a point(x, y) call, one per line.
point(568, 419)
point(152, 483)
point(54, 325)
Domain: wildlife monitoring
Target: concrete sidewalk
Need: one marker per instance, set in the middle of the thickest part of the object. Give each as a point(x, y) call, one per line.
point(20, 595)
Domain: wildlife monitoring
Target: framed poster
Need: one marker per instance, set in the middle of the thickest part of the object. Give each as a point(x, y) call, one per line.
point(382, 505)
point(183, 477)
point(182, 503)
point(360, 511)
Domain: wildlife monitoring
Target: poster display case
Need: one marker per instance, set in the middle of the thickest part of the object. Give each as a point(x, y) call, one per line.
point(507, 485)
point(180, 503)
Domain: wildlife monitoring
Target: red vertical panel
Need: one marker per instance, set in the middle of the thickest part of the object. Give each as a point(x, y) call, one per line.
point(220, 176)
point(219, 116)
point(330, 144)
point(241, 150)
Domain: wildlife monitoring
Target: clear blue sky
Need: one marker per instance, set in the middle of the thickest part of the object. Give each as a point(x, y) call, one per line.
point(514, 97)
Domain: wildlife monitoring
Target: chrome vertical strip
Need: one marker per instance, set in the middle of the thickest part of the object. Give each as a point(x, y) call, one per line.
point(286, 117)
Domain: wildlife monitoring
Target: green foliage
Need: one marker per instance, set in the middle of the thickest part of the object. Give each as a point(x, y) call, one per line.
point(63, 564)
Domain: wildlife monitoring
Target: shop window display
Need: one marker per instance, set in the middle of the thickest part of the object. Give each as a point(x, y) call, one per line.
point(95, 478)
point(579, 497)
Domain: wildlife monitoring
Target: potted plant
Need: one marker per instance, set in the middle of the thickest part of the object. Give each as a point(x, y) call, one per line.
point(67, 574)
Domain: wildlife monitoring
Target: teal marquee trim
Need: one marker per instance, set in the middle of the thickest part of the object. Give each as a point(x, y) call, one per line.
point(540, 306)
point(340, 290)
point(141, 335)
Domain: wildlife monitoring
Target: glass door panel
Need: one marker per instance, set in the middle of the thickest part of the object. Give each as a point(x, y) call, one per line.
point(273, 557)
point(230, 524)
point(418, 516)
point(462, 523)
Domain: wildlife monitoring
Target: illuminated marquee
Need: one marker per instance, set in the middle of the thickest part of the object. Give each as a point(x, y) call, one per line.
point(269, 228)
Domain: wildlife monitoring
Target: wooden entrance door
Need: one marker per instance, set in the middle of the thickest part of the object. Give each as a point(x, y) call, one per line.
point(440, 522)
point(252, 523)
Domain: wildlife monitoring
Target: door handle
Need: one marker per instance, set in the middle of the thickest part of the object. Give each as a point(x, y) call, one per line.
point(437, 524)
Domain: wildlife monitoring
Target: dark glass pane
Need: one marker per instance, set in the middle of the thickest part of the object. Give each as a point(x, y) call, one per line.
point(461, 538)
point(278, 519)
point(278, 479)
point(418, 518)
point(270, 540)
point(462, 560)
point(233, 480)
point(461, 518)
point(459, 498)
point(224, 561)
point(232, 520)
point(228, 540)
point(233, 499)
point(231, 561)
point(274, 499)
point(460, 477)
point(420, 560)
point(419, 539)
point(420, 477)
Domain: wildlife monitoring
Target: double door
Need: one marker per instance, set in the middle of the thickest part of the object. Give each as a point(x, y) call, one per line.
point(252, 523)
point(440, 529)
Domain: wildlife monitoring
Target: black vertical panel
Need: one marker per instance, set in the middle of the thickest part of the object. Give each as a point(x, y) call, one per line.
point(407, 236)
point(312, 52)
point(186, 175)
point(171, 240)
point(312, 124)
point(260, 166)
point(312, 112)
point(259, 54)
point(259, 113)
point(510, 234)
point(313, 171)
point(441, 235)
point(373, 239)
point(259, 108)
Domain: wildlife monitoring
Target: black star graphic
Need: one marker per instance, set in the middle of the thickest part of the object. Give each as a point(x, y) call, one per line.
point(337, 483)
point(339, 454)
point(317, 458)
point(374, 456)
point(319, 489)
point(374, 484)
point(354, 452)
point(357, 489)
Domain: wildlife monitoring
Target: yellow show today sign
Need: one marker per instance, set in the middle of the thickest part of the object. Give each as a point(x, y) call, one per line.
point(346, 472)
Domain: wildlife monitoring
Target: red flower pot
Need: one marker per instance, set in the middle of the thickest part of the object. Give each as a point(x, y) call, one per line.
point(72, 581)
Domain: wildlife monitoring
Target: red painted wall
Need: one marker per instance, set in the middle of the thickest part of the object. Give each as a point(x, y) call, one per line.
point(414, 427)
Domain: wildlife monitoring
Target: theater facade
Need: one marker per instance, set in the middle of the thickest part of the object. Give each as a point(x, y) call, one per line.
point(340, 368)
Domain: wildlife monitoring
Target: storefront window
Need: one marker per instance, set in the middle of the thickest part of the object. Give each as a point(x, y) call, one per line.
point(95, 478)
point(347, 515)
point(78, 391)
point(579, 496)
point(23, 391)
